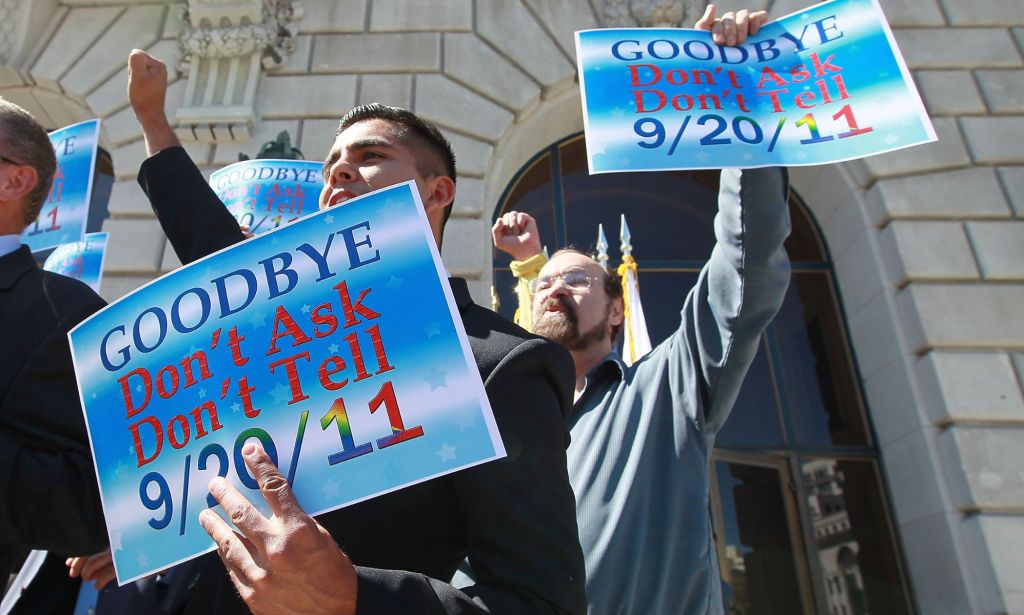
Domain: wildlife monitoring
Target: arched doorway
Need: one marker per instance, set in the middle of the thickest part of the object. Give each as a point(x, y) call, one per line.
point(798, 502)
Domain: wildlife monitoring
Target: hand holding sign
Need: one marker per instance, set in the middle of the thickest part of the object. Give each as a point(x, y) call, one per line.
point(285, 564)
point(826, 84)
point(300, 338)
point(731, 28)
point(97, 569)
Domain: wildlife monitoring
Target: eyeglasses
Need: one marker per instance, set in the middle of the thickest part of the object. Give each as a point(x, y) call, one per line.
point(9, 161)
point(573, 279)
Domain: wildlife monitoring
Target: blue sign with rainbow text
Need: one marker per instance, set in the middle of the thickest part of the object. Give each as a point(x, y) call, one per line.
point(64, 214)
point(823, 85)
point(334, 340)
point(82, 260)
point(264, 194)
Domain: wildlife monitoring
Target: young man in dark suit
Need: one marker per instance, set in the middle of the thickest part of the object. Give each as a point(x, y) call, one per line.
point(514, 518)
point(48, 494)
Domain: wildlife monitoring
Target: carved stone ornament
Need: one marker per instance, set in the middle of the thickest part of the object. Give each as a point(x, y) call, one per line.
point(268, 26)
point(225, 46)
point(651, 13)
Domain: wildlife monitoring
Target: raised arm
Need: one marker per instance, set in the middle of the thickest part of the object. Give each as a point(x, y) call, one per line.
point(147, 91)
point(516, 234)
point(740, 288)
point(193, 218)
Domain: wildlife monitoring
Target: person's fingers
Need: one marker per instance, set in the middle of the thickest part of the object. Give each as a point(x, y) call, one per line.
point(728, 22)
point(142, 64)
point(246, 517)
point(103, 577)
point(75, 565)
point(94, 568)
point(742, 24)
point(706, 20)
point(520, 219)
point(234, 550)
point(530, 224)
point(245, 590)
point(757, 19)
point(512, 223)
point(136, 62)
point(718, 33)
point(274, 487)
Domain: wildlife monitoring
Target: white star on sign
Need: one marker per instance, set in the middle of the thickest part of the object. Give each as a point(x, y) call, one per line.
point(464, 420)
point(432, 329)
point(436, 378)
point(333, 348)
point(330, 489)
point(259, 319)
point(281, 393)
point(328, 219)
point(202, 393)
point(305, 309)
point(115, 541)
point(446, 452)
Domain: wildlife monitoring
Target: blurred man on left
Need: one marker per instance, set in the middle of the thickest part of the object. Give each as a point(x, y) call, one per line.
point(48, 494)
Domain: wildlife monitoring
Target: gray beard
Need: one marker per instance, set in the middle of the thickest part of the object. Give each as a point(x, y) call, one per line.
point(563, 328)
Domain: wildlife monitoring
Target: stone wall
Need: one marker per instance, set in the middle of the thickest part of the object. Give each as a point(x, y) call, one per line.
point(928, 243)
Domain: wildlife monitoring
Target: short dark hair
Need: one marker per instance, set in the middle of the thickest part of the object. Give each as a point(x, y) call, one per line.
point(27, 143)
point(423, 137)
point(611, 281)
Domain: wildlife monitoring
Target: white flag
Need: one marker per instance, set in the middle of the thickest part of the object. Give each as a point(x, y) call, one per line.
point(635, 342)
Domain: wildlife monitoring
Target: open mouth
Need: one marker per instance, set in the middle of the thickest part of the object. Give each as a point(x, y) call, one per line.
point(340, 196)
point(558, 305)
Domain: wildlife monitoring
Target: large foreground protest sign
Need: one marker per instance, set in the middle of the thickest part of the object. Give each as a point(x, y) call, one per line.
point(334, 340)
point(823, 85)
point(64, 214)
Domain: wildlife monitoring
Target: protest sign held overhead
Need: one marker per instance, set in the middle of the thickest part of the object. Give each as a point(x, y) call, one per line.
point(264, 194)
point(64, 214)
point(82, 260)
point(302, 338)
point(823, 85)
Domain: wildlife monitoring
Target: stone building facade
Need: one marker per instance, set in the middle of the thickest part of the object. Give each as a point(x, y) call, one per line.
point(927, 243)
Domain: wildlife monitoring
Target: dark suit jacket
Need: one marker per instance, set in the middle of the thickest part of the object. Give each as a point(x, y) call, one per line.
point(48, 494)
point(514, 518)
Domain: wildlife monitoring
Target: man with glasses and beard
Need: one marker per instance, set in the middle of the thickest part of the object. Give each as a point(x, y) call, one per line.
point(642, 435)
